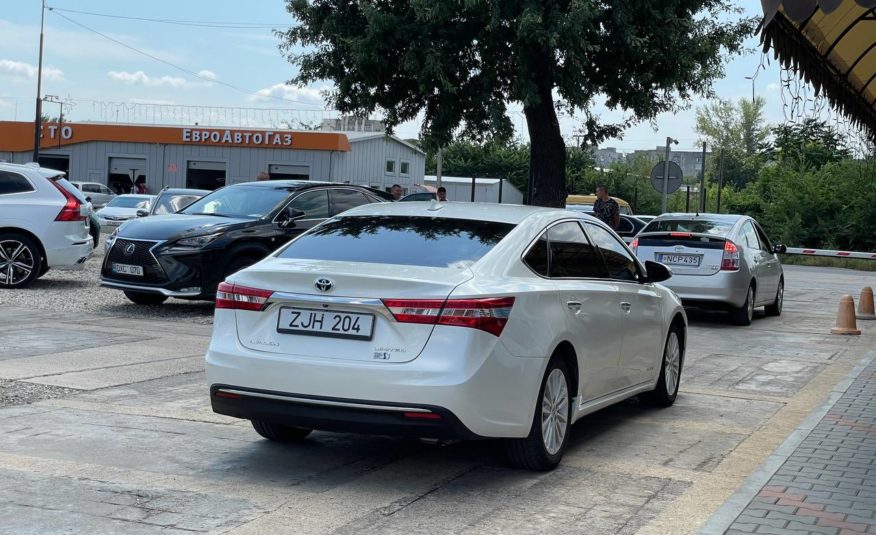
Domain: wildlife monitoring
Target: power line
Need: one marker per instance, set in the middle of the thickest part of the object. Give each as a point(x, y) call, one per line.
point(177, 67)
point(202, 24)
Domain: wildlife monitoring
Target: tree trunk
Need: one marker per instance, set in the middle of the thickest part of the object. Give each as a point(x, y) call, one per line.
point(547, 153)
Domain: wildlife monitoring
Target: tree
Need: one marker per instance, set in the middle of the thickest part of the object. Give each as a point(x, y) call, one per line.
point(739, 132)
point(459, 65)
point(811, 144)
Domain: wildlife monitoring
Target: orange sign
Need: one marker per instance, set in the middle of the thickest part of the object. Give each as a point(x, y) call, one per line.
point(18, 136)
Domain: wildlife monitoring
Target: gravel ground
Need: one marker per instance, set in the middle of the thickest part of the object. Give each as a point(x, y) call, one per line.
point(79, 291)
point(19, 393)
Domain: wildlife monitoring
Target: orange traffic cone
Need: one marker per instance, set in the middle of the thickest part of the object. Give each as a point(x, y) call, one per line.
point(865, 305)
point(845, 317)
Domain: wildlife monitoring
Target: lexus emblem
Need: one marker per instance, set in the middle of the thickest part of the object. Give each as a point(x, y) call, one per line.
point(129, 249)
point(323, 284)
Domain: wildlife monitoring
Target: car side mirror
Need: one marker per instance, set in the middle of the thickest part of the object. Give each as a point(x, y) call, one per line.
point(290, 215)
point(779, 249)
point(657, 272)
point(142, 213)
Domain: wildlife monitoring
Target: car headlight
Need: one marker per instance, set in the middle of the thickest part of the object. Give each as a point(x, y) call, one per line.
point(196, 242)
point(112, 237)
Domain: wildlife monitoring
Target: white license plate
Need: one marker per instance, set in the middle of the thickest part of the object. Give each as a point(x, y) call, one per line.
point(325, 323)
point(127, 269)
point(680, 259)
point(113, 223)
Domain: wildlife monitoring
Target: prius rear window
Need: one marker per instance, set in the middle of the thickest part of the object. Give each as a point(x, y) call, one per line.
point(410, 241)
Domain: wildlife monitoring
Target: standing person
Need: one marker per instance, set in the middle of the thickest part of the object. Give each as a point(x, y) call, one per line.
point(605, 208)
point(396, 192)
point(140, 186)
point(442, 194)
point(262, 176)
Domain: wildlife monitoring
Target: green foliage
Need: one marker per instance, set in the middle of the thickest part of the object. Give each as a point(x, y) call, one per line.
point(833, 207)
point(467, 158)
point(457, 65)
point(739, 132)
point(810, 144)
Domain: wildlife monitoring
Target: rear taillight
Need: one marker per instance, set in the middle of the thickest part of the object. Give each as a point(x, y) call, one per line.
point(634, 245)
point(489, 314)
point(238, 297)
point(71, 209)
point(730, 262)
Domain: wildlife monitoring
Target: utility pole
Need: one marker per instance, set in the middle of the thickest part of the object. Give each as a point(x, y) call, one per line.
point(703, 182)
point(37, 122)
point(666, 175)
point(720, 180)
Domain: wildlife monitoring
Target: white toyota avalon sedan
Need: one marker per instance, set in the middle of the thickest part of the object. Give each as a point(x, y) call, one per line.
point(453, 320)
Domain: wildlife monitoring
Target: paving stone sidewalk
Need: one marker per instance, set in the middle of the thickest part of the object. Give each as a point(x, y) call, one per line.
point(828, 484)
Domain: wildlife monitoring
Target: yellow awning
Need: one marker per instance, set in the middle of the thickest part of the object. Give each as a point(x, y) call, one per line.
point(832, 45)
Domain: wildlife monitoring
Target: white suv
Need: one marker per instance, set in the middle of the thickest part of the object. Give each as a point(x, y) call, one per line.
point(43, 224)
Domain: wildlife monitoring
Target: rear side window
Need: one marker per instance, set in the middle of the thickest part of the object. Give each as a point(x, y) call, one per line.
point(572, 255)
point(537, 256)
point(314, 204)
point(410, 241)
point(699, 226)
point(345, 199)
point(13, 183)
point(618, 260)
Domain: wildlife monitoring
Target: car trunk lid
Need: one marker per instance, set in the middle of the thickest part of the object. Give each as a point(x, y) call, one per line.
point(687, 253)
point(335, 310)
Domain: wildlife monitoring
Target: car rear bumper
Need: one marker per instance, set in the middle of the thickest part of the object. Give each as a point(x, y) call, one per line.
point(724, 289)
point(337, 414)
point(491, 393)
point(72, 255)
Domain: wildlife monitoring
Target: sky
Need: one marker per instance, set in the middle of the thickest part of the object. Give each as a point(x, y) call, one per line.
point(236, 76)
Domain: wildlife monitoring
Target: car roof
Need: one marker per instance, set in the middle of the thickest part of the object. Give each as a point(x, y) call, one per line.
point(726, 218)
point(288, 184)
point(482, 211)
point(185, 191)
point(45, 171)
point(135, 196)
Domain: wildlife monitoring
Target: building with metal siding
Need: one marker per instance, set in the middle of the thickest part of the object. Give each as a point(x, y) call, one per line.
point(181, 157)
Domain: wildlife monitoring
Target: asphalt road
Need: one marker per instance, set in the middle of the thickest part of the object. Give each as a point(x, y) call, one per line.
point(122, 440)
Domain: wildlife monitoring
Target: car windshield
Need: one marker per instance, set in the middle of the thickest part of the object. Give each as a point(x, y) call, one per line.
point(128, 202)
point(242, 201)
point(171, 204)
point(405, 240)
point(700, 226)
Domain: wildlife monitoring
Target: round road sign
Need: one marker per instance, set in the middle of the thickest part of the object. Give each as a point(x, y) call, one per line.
point(675, 176)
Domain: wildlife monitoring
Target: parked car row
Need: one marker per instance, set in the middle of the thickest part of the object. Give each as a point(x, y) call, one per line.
point(457, 320)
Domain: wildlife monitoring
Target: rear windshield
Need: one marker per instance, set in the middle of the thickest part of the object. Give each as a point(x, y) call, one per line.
point(700, 226)
point(410, 241)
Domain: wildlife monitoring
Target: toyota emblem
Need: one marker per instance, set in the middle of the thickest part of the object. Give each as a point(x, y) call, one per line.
point(323, 284)
point(129, 249)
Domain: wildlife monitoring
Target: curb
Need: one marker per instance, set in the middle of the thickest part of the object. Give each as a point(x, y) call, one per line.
point(721, 519)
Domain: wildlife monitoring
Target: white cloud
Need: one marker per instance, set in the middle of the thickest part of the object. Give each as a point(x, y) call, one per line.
point(772, 86)
point(304, 95)
point(25, 71)
point(210, 75)
point(140, 77)
point(152, 101)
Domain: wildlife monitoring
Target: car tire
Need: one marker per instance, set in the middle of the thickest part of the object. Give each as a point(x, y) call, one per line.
point(143, 298)
point(28, 260)
point(280, 433)
point(666, 391)
point(775, 309)
point(745, 314)
point(541, 450)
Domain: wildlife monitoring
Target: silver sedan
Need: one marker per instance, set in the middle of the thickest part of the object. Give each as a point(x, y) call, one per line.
point(718, 261)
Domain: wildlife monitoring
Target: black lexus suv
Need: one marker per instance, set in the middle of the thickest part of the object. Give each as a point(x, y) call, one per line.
point(187, 254)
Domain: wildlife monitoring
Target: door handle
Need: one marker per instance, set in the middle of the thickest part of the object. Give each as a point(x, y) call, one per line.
point(626, 306)
point(574, 306)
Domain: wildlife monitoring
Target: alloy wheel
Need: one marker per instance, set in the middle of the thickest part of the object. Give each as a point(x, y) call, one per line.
point(554, 411)
point(16, 262)
point(780, 299)
point(672, 368)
